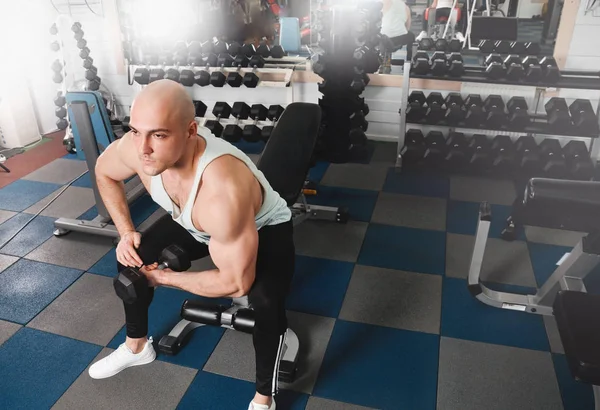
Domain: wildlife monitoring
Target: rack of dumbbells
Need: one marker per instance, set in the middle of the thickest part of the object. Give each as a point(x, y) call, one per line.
point(350, 39)
point(538, 152)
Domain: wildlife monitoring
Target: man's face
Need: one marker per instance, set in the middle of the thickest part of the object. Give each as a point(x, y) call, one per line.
point(159, 136)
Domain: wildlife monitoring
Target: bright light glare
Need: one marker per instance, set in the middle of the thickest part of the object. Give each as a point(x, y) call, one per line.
point(160, 19)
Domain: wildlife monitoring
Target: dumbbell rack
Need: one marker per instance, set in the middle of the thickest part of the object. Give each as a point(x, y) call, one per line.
point(570, 80)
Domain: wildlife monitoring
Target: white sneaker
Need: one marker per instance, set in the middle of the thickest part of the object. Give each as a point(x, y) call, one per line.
point(121, 359)
point(460, 37)
point(254, 406)
point(421, 35)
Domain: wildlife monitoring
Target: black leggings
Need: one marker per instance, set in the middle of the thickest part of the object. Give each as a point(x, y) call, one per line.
point(274, 271)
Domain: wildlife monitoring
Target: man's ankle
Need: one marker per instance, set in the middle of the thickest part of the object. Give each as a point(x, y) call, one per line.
point(136, 345)
point(260, 399)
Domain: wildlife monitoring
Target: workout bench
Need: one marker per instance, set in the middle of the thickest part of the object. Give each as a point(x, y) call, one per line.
point(92, 133)
point(285, 162)
point(558, 204)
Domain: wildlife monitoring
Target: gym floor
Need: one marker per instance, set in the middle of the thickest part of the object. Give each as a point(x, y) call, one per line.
point(380, 304)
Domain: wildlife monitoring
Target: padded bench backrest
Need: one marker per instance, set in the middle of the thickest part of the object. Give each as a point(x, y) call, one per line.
point(285, 160)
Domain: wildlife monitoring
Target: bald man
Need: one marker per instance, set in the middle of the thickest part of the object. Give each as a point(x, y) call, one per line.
point(218, 203)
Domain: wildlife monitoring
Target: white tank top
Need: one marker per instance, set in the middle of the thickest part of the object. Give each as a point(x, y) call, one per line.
point(273, 211)
point(393, 23)
point(445, 4)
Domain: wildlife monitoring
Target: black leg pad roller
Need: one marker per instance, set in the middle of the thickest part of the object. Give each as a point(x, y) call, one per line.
point(241, 319)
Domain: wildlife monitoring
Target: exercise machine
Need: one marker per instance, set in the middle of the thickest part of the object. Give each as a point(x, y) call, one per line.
point(557, 204)
point(285, 162)
point(92, 133)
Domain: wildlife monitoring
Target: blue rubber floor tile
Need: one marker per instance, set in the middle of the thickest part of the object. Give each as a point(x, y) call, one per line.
point(33, 235)
point(315, 174)
point(107, 265)
point(319, 286)
point(379, 367)
point(462, 218)
point(416, 184)
point(163, 315)
point(36, 368)
point(83, 181)
point(464, 317)
point(401, 248)
point(544, 258)
point(576, 395)
point(142, 209)
point(21, 194)
point(360, 202)
point(27, 287)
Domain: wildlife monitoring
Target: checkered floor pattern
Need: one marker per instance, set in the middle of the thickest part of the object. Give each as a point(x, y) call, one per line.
point(380, 305)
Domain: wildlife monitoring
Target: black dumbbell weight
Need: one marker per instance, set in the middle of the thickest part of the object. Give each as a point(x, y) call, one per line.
point(94, 84)
point(187, 78)
point(550, 71)
point(248, 49)
point(426, 44)
point(532, 49)
point(87, 62)
point(583, 117)
point(503, 155)
point(263, 49)
point(416, 110)
point(441, 44)
point(439, 64)
point(528, 156)
point(494, 66)
point(273, 115)
point(435, 151)
point(455, 109)
point(218, 78)
point(514, 67)
point(156, 74)
point(220, 110)
point(60, 112)
point(435, 108)
point(252, 132)
point(533, 69)
point(91, 73)
point(456, 66)
point(130, 284)
point(235, 78)
point(233, 132)
point(518, 117)
point(480, 148)
point(59, 100)
point(579, 164)
point(455, 45)
point(414, 147)
point(502, 47)
point(518, 47)
point(553, 160)
point(420, 64)
point(457, 152)
point(486, 46)
point(475, 115)
point(494, 109)
point(62, 123)
point(200, 109)
point(558, 114)
point(357, 120)
point(221, 47)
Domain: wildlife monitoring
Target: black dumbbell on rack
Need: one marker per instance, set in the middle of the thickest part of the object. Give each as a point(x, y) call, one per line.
point(557, 112)
point(273, 115)
point(414, 147)
point(252, 133)
point(233, 132)
point(220, 110)
point(579, 164)
point(528, 156)
point(455, 109)
point(518, 117)
point(554, 164)
point(475, 115)
point(495, 116)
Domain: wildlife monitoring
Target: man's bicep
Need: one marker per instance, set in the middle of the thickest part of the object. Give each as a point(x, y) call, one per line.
point(113, 164)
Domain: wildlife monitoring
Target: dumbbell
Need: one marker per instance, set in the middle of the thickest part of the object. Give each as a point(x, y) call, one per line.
point(252, 133)
point(416, 110)
point(455, 109)
point(455, 45)
point(218, 78)
point(494, 66)
point(435, 108)
point(435, 151)
point(130, 284)
point(486, 46)
point(441, 44)
point(221, 47)
point(60, 112)
point(514, 67)
point(532, 49)
point(480, 148)
point(233, 132)
point(273, 115)
point(533, 69)
point(360, 81)
point(220, 110)
point(421, 63)
point(234, 78)
point(414, 147)
point(62, 123)
point(579, 163)
point(357, 120)
point(550, 71)
point(583, 116)
point(457, 151)
point(202, 77)
point(235, 49)
point(528, 153)
point(199, 108)
point(456, 66)
point(187, 78)
point(263, 49)
point(248, 49)
point(558, 113)
point(87, 62)
point(553, 160)
point(94, 84)
point(439, 64)
point(475, 115)
point(503, 154)
point(156, 74)
point(502, 47)
point(517, 47)
point(59, 100)
point(426, 44)
point(518, 117)
point(494, 108)
point(84, 53)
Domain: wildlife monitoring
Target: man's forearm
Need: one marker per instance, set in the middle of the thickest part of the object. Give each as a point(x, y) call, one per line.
point(115, 201)
point(210, 283)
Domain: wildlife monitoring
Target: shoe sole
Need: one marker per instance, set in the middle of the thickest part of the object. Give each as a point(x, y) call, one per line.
point(120, 370)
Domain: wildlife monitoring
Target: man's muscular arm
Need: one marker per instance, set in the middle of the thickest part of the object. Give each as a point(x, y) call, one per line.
point(111, 170)
point(228, 217)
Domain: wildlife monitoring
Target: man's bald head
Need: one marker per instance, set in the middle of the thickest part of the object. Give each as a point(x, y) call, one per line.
point(165, 100)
